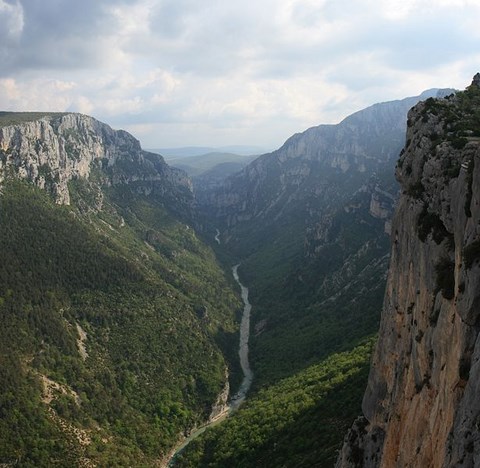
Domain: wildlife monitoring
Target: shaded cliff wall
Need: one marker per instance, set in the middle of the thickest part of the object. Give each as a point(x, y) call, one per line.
point(345, 154)
point(421, 406)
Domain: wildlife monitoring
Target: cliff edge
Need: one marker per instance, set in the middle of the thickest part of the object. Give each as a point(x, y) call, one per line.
point(421, 406)
point(52, 149)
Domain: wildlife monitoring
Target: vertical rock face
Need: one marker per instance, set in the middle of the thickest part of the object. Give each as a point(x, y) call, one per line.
point(52, 150)
point(422, 404)
point(220, 407)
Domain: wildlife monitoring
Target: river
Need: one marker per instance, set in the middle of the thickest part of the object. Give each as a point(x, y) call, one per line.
point(240, 396)
point(243, 346)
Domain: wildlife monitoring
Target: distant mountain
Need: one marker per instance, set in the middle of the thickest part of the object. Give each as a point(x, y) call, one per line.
point(214, 177)
point(198, 165)
point(188, 151)
point(288, 195)
point(276, 183)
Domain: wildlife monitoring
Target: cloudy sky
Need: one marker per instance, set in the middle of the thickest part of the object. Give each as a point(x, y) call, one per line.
point(220, 72)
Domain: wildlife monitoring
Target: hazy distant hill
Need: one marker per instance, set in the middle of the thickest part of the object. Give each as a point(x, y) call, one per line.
point(187, 151)
point(197, 165)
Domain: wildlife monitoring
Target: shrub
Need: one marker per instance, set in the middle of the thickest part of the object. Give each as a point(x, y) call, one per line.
point(471, 253)
point(445, 281)
point(416, 190)
point(469, 194)
point(431, 223)
point(459, 142)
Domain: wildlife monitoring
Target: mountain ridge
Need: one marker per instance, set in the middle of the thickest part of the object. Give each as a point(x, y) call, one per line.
point(245, 195)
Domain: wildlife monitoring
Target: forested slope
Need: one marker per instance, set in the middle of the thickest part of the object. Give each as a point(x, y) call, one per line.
point(296, 422)
point(115, 316)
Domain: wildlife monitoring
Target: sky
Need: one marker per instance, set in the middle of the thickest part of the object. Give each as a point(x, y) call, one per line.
point(229, 72)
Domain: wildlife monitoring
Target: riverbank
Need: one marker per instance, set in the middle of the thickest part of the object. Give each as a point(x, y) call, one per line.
point(243, 350)
point(240, 396)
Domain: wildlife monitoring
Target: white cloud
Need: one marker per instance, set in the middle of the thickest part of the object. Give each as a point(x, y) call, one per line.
point(82, 104)
point(11, 18)
point(186, 72)
point(9, 91)
point(35, 94)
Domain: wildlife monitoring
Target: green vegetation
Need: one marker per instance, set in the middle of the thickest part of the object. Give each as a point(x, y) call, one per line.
point(445, 279)
point(312, 307)
point(460, 114)
point(471, 253)
point(133, 278)
point(15, 118)
point(298, 422)
point(315, 300)
point(430, 223)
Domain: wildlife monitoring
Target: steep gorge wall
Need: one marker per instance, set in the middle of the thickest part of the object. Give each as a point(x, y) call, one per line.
point(52, 150)
point(421, 406)
point(319, 164)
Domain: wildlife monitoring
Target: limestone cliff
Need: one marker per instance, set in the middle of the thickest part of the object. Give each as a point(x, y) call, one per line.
point(421, 406)
point(50, 150)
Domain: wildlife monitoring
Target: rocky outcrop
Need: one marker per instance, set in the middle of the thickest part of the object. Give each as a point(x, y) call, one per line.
point(220, 407)
point(421, 404)
point(381, 203)
point(52, 150)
